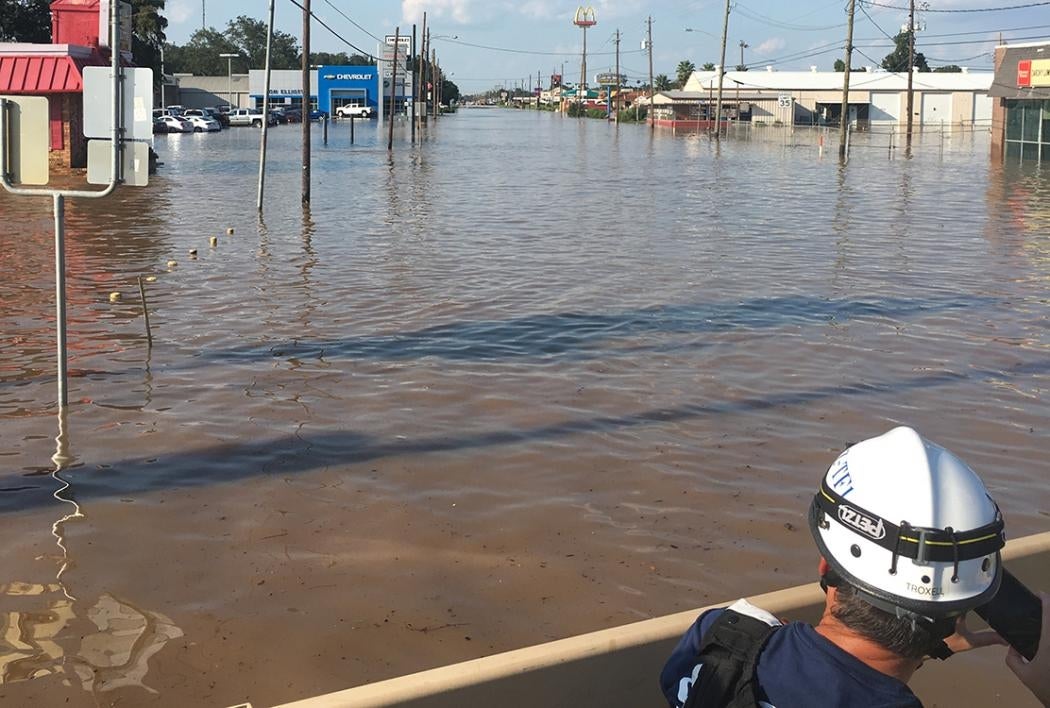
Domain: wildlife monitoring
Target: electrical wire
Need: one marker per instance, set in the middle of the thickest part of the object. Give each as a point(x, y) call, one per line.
point(351, 21)
point(750, 14)
point(335, 34)
point(960, 10)
point(527, 51)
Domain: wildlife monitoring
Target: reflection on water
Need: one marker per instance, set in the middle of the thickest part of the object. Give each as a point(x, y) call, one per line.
point(45, 638)
point(531, 377)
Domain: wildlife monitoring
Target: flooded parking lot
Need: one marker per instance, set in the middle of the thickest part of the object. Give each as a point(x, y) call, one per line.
point(532, 377)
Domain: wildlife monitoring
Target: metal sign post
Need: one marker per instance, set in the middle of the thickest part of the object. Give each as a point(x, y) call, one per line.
point(59, 196)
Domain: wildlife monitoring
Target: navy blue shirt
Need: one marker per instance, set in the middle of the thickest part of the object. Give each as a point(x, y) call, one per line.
point(798, 668)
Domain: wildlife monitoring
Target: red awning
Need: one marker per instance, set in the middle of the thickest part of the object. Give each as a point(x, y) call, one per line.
point(41, 75)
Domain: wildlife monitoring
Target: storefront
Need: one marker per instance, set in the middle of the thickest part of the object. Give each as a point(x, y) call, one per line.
point(286, 88)
point(347, 86)
point(1021, 116)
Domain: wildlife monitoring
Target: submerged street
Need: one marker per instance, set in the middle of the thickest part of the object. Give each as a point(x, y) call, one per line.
point(531, 377)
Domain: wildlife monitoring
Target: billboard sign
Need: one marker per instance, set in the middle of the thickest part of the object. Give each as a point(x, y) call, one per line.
point(104, 40)
point(609, 78)
point(1033, 73)
point(138, 103)
point(28, 147)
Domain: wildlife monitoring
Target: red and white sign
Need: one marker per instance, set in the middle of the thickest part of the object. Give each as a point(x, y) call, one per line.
point(1024, 72)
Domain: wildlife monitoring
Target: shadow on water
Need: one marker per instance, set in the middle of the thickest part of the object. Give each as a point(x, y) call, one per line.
point(299, 453)
point(574, 334)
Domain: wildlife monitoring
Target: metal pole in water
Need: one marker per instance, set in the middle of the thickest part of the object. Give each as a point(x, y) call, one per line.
point(324, 128)
point(145, 313)
point(60, 296)
point(353, 120)
point(393, 89)
point(266, 113)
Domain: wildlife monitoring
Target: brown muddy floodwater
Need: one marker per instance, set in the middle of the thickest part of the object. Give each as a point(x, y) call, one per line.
point(534, 377)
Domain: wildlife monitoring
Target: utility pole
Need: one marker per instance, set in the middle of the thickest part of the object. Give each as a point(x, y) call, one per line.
point(393, 89)
point(423, 72)
point(911, 72)
point(616, 103)
point(433, 81)
point(306, 102)
point(844, 118)
point(266, 111)
point(415, 74)
point(721, 74)
point(204, 14)
point(583, 72)
point(652, 89)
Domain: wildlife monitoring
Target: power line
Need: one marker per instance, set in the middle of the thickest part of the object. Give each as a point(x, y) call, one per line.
point(335, 34)
point(960, 10)
point(351, 21)
point(528, 51)
point(765, 19)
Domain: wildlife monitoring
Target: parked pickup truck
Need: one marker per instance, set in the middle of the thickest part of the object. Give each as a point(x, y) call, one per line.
point(349, 111)
point(249, 116)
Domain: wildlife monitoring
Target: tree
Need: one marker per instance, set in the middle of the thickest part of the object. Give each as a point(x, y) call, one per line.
point(897, 60)
point(340, 59)
point(709, 66)
point(25, 21)
point(841, 66)
point(449, 91)
point(741, 67)
point(248, 35)
point(948, 69)
point(200, 55)
point(683, 71)
point(662, 83)
point(147, 34)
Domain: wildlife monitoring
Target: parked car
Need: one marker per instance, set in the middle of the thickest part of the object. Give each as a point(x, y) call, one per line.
point(159, 126)
point(224, 120)
point(279, 114)
point(175, 110)
point(317, 114)
point(203, 125)
point(175, 124)
point(159, 112)
point(250, 116)
point(204, 113)
point(294, 115)
point(355, 111)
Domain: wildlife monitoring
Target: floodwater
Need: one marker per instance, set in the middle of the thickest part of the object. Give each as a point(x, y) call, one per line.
point(532, 377)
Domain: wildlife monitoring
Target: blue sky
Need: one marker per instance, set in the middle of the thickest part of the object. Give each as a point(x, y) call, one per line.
point(538, 35)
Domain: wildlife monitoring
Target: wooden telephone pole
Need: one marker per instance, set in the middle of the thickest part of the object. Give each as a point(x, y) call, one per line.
point(652, 89)
point(616, 103)
point(911, 72)
point(844, 118)
point(393, 89)
point(721, 74)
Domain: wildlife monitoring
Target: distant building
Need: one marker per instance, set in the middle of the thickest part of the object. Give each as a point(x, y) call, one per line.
point(876, 98)
point(55, 71)
point(192, 91)
point(1021, 115)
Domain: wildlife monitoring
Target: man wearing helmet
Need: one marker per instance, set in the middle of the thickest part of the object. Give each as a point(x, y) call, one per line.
point(909, 541)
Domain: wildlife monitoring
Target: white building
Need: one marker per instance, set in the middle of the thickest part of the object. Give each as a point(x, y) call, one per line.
point(876, 98)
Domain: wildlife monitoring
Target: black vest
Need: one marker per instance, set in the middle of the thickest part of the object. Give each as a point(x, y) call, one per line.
point(729, 657)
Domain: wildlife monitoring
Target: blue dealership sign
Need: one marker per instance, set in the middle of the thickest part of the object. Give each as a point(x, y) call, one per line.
point(339, 85)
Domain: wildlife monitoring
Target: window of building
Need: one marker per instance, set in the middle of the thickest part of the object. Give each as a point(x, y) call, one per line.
point(1028, 130)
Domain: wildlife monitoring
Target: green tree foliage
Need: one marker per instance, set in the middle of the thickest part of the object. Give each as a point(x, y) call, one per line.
point(662, 83)
point(147, 27)
point(449, 91)
point(243, 36)
point(25, 21)
point(948, 69)
point(840, 65)
point(708, 66)
point(340, 59)
point(683, 71)
point(897, 60)
point(249, 36)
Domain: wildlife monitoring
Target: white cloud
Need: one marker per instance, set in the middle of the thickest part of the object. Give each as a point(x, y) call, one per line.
point(178, 11)
point(771, 45)
point(461, 11)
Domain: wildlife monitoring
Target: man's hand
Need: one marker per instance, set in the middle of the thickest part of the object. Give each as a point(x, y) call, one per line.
point(966, 639)
point(1035, 674)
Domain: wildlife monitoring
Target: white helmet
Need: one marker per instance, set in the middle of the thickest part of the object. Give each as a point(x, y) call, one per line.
point(910, 526)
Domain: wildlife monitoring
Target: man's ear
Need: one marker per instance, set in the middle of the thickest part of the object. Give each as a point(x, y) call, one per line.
point(824, 567)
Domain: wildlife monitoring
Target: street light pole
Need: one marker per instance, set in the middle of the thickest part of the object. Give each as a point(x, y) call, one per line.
point(163, 98)
point(229, 79)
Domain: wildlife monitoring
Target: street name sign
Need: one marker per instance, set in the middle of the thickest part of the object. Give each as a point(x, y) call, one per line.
point(98, 103)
